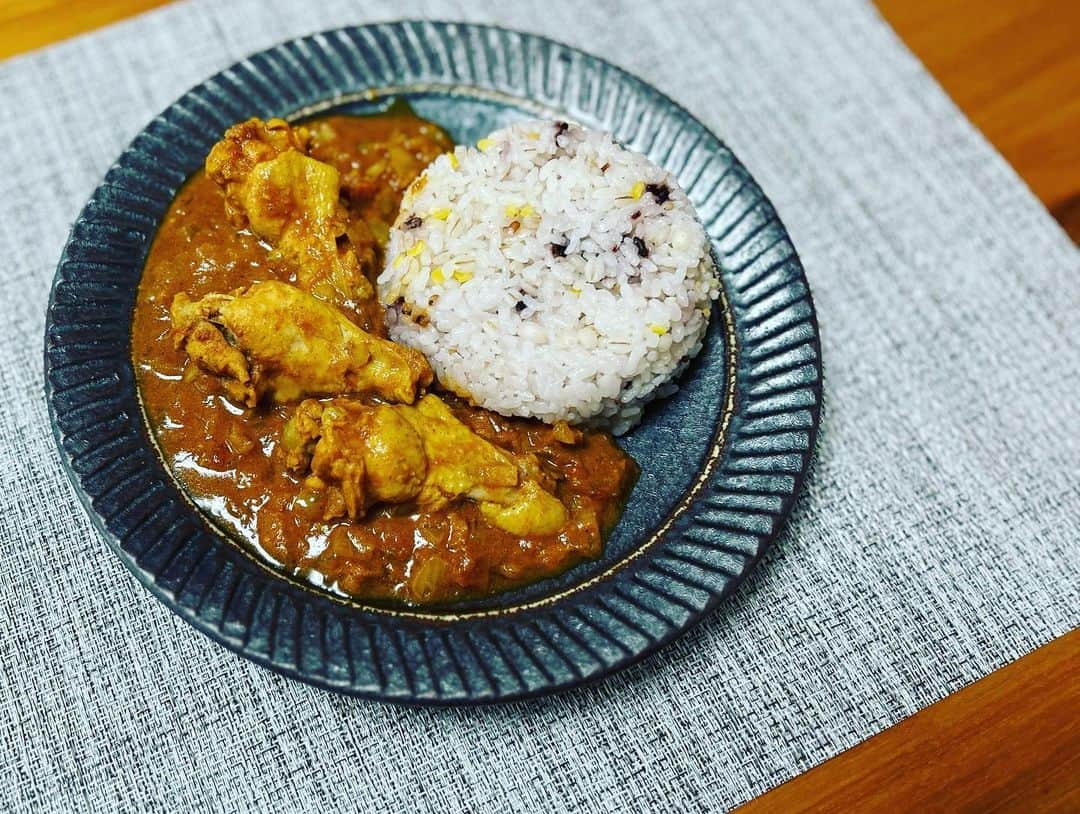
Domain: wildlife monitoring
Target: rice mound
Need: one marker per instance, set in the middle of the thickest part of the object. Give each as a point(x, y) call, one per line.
point(550, 273)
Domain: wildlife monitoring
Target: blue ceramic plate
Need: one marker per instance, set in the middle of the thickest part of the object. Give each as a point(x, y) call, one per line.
point(721, 461)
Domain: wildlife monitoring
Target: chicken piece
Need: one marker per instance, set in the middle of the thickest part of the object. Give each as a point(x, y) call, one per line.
point(291, 201)
point(243, 147)
point(421, 455)
point(275, 340)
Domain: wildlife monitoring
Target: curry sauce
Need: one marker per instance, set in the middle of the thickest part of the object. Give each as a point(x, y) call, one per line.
point(230, 457)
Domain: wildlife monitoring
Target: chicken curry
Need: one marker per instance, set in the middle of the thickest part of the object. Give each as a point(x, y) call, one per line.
point(289, 417)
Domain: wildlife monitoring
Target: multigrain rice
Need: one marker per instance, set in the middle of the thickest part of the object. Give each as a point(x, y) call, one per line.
point(549, 272)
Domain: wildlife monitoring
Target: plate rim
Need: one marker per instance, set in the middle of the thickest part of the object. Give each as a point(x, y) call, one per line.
point(497, 662)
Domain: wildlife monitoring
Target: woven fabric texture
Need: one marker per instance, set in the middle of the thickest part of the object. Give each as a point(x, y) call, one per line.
point(936, 540)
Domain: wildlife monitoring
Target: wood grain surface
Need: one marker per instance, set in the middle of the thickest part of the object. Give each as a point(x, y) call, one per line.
point(29, 24)
point(1013, 67)
point(1010, 742)
point(1007, 743)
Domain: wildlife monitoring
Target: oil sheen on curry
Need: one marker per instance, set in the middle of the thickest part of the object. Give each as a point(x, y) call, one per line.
point(290, 418)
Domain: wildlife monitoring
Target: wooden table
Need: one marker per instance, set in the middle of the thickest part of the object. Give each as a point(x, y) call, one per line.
point(1010, 742)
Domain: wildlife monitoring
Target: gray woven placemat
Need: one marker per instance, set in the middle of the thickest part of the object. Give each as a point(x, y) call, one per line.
point(936, 540)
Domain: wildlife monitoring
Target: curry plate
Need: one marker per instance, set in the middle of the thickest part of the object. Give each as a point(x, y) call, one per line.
point(722, 459)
